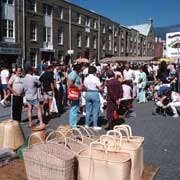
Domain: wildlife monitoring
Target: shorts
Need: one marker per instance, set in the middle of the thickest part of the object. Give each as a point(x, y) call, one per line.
point(33, 102)
point(48, 95)
point(4, 86)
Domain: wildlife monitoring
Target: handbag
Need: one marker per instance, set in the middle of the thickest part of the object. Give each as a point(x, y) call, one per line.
point(53, 108)
point(73, 93)
point(115, 115)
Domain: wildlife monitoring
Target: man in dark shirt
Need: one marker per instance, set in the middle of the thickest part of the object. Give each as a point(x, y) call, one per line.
point(47, 81)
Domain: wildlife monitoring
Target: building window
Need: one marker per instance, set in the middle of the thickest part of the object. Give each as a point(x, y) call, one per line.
point(95, 24)
point(122, 49)
point(33, 32)
point(115, 47)
point(10, 2)
point(60, 36)
point(103, 45)
point(87, 41)
point(109, 43)
point(32, 5)
point(47, 10)
point(47, 34)
point(59, 12)
point(87, 21)
point(104, 28)
point(8, 28)
point(79, 18)
point(116, 32)
point(79, 40)
point(33, 59)
point(94, 42)
point(122, 35)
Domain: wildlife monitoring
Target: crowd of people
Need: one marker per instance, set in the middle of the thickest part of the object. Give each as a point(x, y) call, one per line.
point(88, 89)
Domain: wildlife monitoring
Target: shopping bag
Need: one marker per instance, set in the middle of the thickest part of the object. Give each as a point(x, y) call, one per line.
point(73, 93)
point(54, 108)
point(97, 163)
point(122, 145)
point(138, 139)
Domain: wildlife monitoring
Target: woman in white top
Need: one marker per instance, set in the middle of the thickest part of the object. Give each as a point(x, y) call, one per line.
point(92, 85)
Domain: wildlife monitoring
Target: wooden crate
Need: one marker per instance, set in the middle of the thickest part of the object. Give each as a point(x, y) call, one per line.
point(16, 171)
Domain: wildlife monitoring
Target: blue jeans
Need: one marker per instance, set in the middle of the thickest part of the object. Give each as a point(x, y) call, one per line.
point(73, 113)
point(92, 106)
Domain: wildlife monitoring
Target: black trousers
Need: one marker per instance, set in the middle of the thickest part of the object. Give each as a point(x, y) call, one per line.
point(17, 107)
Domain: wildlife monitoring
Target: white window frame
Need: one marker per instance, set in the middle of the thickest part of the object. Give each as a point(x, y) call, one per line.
point(87, 41)
point(33, 31)
point(95, 24)
point(60, 37)
point(79, 40)
point(60, 12)
point(116, 32)
point(48, 34)
point(79, 18)
point(104, 45)
point(9, 28)
point(122, 49)
point(34, 60)
point(94, 43)
point(104, 28)
point(87, 21)
point(115, 47)
point(109, 42)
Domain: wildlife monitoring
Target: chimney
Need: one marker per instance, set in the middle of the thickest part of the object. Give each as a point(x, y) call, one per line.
point(150, 21)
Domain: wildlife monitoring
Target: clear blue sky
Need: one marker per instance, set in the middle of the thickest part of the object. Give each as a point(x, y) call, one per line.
point(131, 12)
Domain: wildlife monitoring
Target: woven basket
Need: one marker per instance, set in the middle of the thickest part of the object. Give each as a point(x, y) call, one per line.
point(89, 132)
point(117, 143)
point(49, 162)
point(75, 133)
point(130, 137)
point(73, 144)
point(96, 163)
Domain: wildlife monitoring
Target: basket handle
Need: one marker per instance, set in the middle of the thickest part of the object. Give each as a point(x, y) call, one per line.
point(115, 134)
point(95, 143)
point(54, 132)
point(77, 130)
point(82, 127)
point(37, 137)
point(125, 126)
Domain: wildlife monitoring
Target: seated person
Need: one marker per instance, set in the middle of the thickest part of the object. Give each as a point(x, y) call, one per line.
point(175, 102)
point(163, 100)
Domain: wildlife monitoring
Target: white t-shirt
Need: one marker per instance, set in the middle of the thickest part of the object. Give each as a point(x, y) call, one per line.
point(91, 82)
point(128, 75)
point(4, 76)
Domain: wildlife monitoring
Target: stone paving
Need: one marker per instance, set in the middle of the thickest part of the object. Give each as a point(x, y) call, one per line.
point(161, 137)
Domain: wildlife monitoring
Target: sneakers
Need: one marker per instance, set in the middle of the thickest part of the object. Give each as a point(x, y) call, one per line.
point(175, 115)
point(86, 126)
point(3, 103)
point(97, 128)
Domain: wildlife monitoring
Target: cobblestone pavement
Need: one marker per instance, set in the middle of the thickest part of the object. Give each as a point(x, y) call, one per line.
point(161, 134)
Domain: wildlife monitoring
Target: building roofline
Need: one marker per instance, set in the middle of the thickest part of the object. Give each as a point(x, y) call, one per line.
point(90, 11)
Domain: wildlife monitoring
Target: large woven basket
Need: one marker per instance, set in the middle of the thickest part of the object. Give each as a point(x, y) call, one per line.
point(96, 163)
point(49, 162)
point(131, 138)
point(117, 143)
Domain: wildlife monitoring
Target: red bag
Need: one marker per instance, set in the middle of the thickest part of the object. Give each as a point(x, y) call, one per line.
point(115, 115)
point(73, 93)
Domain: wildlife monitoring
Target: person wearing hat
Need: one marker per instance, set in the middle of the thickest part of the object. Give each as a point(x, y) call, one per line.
point(114, 94)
